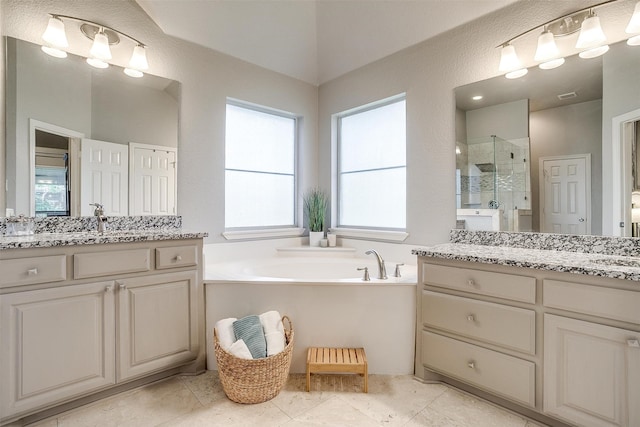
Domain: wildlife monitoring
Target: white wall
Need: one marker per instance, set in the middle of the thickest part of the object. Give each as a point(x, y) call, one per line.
point(574, 129)
point(507, 121)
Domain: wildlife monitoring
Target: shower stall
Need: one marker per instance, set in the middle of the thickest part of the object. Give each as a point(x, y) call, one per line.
point(493, 184)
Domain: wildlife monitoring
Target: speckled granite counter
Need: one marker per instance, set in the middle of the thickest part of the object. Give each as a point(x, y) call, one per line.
point(46, 240)
point(616, 258)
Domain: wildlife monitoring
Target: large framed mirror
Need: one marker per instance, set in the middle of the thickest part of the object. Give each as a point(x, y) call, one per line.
point(563, 119)
point(75, 134)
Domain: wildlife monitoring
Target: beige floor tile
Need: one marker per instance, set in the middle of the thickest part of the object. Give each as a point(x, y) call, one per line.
point(206, 387)
point(49, 422)
point(333, 412)
point(432, 418)
point(394, 400)
point(294, 400)
point(465, 410)
point(147, 406)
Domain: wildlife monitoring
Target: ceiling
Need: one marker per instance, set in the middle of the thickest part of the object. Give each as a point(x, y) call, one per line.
point(312, 40)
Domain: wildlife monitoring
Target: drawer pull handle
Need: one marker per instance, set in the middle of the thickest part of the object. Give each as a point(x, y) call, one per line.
point(471, 364)
point(108, 289)
point(32, 272)
point(178, 258)
point(471, 318)
point(470, 282)
point(633, 343)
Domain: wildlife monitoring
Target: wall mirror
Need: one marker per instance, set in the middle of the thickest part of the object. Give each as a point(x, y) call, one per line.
point(64, 116)
point(561, 117)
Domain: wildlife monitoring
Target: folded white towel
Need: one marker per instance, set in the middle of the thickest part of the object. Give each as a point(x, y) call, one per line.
point(240, 350)
point(271, 322)
point(275, 342)
point(226, 336)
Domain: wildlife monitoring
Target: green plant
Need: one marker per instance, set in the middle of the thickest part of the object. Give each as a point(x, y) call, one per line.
point(315, 208)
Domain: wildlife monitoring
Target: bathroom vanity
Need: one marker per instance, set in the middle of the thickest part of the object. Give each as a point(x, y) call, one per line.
point(85, 315)
point(551, 334)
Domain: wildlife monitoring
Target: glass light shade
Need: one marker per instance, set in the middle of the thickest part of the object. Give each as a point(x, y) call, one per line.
point(139, 59)
point(97, 63)
point(634, 24)
point(635, 215)
point(509, 59)
point(549, 65)
point(55, 34)
point(547, 48)
point(133, 73)
point(54, 52)
point(517, 73)
point(634, 41)
point(100, 48)
point(591, 34)
point(594, 53)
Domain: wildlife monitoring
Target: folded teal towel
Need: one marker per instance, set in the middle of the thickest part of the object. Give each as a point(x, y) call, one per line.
point(249, 329)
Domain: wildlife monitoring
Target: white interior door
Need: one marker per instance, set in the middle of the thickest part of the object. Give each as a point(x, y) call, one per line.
point(565, 194)
point(152, 190)
point(104, 179)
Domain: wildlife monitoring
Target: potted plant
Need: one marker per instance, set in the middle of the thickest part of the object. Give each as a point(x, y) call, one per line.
point(315, 208)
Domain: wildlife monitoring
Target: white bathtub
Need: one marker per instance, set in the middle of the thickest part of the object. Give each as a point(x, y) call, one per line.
point(328, 302)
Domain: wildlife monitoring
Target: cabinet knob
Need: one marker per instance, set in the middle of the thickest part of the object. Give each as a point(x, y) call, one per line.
point(32, 272)
point(178, 258)
point(633, 343)
point(123, 286)
point(471, 318)
point(471, 364)
point(109, 289)
point(471, 282)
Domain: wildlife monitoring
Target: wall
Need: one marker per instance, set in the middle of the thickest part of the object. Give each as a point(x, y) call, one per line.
point(574, 129)
point(207, 79)
point(507, 121)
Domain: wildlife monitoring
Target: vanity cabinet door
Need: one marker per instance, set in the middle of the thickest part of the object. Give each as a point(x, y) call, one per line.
point(56, 344)
point(157, 322)
point(591, 373)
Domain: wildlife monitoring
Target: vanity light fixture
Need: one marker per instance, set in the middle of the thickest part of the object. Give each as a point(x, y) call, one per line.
point(634, 27)
point(591, 40)
point(103, 37)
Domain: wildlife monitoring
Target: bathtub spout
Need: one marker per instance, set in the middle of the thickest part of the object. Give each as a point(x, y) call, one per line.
point(382, 271)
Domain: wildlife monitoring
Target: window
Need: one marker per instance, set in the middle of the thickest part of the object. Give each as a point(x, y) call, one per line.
point(372, 166)
point(260, 147)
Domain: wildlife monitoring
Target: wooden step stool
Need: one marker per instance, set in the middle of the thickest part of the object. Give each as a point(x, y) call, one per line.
point(336, 360)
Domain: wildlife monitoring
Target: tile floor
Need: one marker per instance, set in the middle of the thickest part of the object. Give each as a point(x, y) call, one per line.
point(335, 400)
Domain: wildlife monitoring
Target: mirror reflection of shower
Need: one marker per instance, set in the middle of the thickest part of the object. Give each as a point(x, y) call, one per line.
point(52, 175)
point(493, 182)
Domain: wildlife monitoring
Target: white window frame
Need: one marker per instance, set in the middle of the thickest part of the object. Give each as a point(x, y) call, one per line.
point(261, 232)
point(364, 232)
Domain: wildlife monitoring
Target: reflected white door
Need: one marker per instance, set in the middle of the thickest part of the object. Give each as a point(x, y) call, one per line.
point(152, 190)
point(104, 170)
point(565, 194)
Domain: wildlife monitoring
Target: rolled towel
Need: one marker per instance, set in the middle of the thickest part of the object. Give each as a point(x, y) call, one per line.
point(240, 350)
point(250, 330)
point(275, 342)
point(271, 322)
point(226, 336)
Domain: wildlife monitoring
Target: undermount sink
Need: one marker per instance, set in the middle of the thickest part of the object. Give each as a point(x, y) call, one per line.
point(619, 262)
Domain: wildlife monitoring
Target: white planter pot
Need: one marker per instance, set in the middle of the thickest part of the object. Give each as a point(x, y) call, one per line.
point(315, 237)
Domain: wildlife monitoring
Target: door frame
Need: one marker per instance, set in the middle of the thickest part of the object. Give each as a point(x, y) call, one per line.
point(541, 193)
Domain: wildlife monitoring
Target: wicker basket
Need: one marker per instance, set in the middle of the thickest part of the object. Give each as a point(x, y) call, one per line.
point(254, 380)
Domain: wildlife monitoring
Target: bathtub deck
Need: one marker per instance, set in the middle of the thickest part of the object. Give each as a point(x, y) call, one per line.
point(337, 360)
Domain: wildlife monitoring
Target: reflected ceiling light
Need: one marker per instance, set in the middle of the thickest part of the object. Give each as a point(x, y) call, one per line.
point(634, 27)
point(103, 39)
point(591, 39)
point(477, 97)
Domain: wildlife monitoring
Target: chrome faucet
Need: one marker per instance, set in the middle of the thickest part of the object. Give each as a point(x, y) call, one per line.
point(382, 271)
point(99, 214)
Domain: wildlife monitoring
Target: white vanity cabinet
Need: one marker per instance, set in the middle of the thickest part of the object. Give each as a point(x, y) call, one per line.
point(112, 314)
point(562, 348)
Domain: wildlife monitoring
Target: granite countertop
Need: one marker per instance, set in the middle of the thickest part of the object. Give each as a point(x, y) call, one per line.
point(612, 266)
point(46, 240)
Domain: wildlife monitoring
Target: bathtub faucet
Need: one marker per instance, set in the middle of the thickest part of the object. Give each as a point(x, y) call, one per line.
point(382, 271)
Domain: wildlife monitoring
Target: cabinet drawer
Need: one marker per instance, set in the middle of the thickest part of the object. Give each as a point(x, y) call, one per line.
point(507, 376)
point(176, 256)
point(107, 263)
point(28, 271)
point(617, 304)
point(510, 327)
point(501, 285)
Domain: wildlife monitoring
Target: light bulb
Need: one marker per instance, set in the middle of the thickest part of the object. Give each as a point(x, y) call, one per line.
point(133, 73)
point(100, 48)
point(97, 63)
point(594, 53)
point(517, 73)
point(549, 65)
point(634, 41)
point(57, 53)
